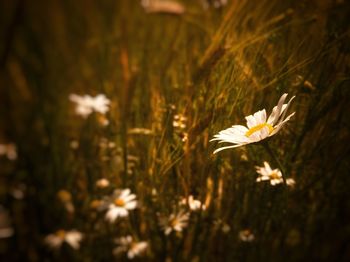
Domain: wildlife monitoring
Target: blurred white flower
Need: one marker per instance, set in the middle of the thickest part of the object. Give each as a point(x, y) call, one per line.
point(162, 6)
point(175, 222)
point(66, 198)
point(258, 127)
point(119, 204)
point(87, 104)
point(290, 182)
point(72, 238)
point(8, 150)
point(179, 121)
point(102, 183)
point(221, 225)
point(266, 173)
point(193, 204)
point(219, 3)
point(246, 235)
point(74, 144)
point(132, 248)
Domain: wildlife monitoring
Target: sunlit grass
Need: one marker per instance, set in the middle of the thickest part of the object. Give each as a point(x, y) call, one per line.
point(111, 106)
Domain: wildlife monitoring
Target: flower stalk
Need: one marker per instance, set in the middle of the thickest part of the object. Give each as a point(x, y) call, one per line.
point(267, 147)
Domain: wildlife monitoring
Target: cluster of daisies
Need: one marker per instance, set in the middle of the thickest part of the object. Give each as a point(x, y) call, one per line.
point(259, 127)
point(118, 206)
point(122, 202)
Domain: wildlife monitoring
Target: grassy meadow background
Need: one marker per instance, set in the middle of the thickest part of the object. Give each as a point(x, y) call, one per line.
point(212, 64)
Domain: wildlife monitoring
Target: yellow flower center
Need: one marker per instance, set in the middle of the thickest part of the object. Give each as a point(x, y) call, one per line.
point(173, 222)
point(258, 128)
point(119, 202)
point(274, 175)
point(61, 234)
point(246, 232)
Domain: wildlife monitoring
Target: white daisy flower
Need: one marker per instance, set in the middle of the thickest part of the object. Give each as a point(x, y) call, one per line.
point(87, 104)
point(175, 222)
point(132, 248)
point(246, 235)
point(266, 173)
point(258, 127)
point(193, 204)
point(72, 238)
point(119, 204)
point(8, 150)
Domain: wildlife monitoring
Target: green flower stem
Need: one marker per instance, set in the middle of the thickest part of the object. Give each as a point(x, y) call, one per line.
point(276, 160)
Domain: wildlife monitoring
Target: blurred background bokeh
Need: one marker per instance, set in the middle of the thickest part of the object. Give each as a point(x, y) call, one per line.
point(175, 74)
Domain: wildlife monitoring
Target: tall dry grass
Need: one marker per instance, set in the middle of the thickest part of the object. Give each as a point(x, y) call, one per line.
point(214, 66)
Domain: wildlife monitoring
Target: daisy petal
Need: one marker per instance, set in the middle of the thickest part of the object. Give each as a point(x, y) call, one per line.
point(277, 111)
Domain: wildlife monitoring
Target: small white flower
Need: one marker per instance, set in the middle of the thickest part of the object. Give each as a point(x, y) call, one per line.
point(221, 225)
point(175, 222)
point(102, 183)
point(290, 182)
point(87, 104)
point(246, 235)
point(179, 121)
point(72, 238)
point(8, 150)
point(258, 127)
point(119, 204)
point(266, 173)
point(193, 204)
point(132, 248)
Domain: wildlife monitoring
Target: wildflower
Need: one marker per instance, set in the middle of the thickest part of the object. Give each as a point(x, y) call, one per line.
point(66, 198)
point(179, 121)
point(102, 183)
point(8, 150)
point(175, 222)
point(119, 204)
point(258, 127)
point(132, 248)
point(219, 3)
point(102, 120)
point(87, 104)
point(290, 182)
point(184, 136)
point(18, 192)
point(72, 238)
point(193, 204)
point(221, 225)
point(105, 143)
point(166, 6)
point(246, 235)
point(266, 173)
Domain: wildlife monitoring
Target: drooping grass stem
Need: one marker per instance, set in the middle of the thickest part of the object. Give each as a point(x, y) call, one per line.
point(275, 159)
